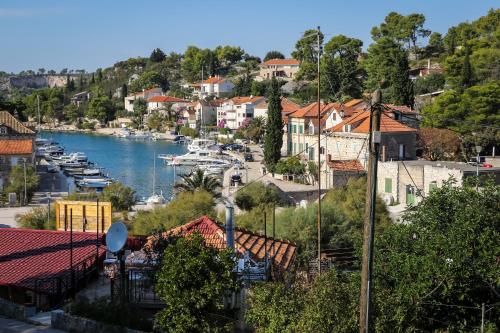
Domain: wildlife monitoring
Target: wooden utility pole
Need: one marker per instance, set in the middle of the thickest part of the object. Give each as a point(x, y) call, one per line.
point(319, 149)
point(369, 223)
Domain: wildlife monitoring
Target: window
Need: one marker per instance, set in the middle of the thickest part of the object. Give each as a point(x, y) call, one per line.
point(402, 151)
point(301, 129)
point(311, 129)
point(432, 186)
point(388, 185)
point(289, 147)
point(334, 116)
point(294, 128)
point(322, 150)
point(307, 146)
point(3, 130)
point(301, 148)
point(311, 153)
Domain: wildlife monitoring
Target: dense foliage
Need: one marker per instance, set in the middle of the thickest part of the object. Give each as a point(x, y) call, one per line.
point(432, 273)
point(184, 208)
point(38, 218)
point(198, 181)
point(121, 196)
point(17, 182)
point(256, 194)
point(192, 281)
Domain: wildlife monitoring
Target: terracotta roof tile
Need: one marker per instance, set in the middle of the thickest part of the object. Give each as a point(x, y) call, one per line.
point(10, 121)
point(287, 106)
point(345, 165)
point(26, 254)
point(245, 240)
point(360, 123)
point(165, 99)
point(213, 80)
point(16, 147)
point(281, 62)
point(246, 99)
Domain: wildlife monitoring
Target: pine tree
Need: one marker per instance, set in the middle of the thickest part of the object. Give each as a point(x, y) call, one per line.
point(92, 80)
point(274, 129)
point(80, 82)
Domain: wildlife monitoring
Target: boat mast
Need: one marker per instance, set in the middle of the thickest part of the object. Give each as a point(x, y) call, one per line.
point(38, 108)
point(154, 172)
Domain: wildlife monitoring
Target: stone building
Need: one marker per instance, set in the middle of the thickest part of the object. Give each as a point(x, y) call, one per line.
point(284, 69)
point(17, 145)
point(406, 183)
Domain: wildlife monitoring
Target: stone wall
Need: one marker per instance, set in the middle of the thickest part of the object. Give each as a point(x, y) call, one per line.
point(69, 323)
point(15, 311)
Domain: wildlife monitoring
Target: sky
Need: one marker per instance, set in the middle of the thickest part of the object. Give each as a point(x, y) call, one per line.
point(77, 34)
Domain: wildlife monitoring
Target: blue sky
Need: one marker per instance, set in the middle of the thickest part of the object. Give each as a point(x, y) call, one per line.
point(55, 34)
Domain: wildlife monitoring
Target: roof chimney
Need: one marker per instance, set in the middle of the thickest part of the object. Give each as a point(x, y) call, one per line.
point(229, 226)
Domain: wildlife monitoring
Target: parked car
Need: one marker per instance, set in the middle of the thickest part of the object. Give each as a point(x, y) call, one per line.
point(235, 179)
point(248, 157)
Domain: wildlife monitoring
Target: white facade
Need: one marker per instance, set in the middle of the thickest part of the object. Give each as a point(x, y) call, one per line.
point(145, 94)
point(215, 86)
point(232, 113)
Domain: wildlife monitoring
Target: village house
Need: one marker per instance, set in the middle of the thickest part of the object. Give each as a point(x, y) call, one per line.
point(145, 94)
point(201, 113)
point(17, 145)
point(213, 86)
point(421, 72)
point(162, 103)
point(80, 98)
point(233, 112)
point(406, 183)
point(284, 69)
point(346, 146)
point(301, 135)
point(287, 107)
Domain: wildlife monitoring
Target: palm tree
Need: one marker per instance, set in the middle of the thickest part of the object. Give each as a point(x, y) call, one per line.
point(198, 181)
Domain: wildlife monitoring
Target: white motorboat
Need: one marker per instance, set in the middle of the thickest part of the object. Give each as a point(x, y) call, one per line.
point(202, 144)
point(199, 157)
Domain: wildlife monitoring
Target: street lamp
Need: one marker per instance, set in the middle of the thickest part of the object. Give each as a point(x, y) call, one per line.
point(478, 159)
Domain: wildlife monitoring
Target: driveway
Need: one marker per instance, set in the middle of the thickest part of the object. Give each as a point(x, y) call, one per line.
point(14, 326)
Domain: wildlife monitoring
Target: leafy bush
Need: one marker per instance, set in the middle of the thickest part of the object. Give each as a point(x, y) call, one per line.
point(15, 182)
point(256, 194)
point(192, 281)
point(37, 218)
point(121, 196)
point(291, 165)
point(186, 131)
point(185, 207)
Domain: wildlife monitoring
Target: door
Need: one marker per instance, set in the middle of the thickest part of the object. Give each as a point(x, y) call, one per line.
point(410, 195)
point(402, 151)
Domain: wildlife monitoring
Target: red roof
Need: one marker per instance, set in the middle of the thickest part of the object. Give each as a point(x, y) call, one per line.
point(246, 99)
point(360, 123)
point(16, 147)
point(165, 99)
point(282, 62)
point(287, 106)
point(27, 254)
point(282, 251)
point(213, 80)
point(345, 165)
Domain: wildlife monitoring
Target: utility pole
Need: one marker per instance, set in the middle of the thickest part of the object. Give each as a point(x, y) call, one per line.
point(369, 223)
point(482, 318)
point(38, 109)
point(25, 186)
point(318, 40)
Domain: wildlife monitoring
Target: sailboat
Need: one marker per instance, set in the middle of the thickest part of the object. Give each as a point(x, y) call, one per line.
point(155, 199)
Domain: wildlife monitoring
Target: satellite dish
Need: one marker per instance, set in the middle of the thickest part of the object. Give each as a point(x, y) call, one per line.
point(116, 237)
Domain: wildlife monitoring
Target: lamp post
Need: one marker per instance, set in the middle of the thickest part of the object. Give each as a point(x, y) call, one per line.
point(478, 160)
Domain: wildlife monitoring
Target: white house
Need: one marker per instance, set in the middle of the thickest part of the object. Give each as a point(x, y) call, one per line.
point(159, 103)
point(233, 112)
point(213, 86)
point(145, 94)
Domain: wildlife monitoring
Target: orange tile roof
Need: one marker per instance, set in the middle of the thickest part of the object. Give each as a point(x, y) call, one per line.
point(165, 99)
point(360, 123)
point(282, 251)
point(213, 80)
point(287, 106)
point(282, 62)
point(246, 99)
point(345, 165)
point(16, 147)
point(10, 121)
point(353, 102)
point(311, 110)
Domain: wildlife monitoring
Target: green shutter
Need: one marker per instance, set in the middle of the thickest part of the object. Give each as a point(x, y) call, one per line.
point(432, 186)
point(388, 185)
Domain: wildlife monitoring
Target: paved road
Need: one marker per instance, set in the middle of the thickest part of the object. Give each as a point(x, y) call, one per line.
point(14, 326)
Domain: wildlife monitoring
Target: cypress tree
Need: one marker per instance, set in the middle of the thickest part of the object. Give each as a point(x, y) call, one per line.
point(273, 139)
point(402, 87)
point(92, 80)
point(124, 91)
point(467, 79)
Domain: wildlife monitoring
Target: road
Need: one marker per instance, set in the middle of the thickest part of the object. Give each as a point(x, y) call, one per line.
point(14, 326)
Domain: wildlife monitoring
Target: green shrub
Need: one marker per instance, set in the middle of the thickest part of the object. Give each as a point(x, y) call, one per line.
point(37, 218)
point(15, 182)
point(256, 194)
point(186, 131)
point(121, 196)
point(291, 165)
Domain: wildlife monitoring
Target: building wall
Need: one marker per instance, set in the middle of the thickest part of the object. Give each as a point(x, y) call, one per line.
point(268, 72)
point(389, 146)
point(234, 115)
